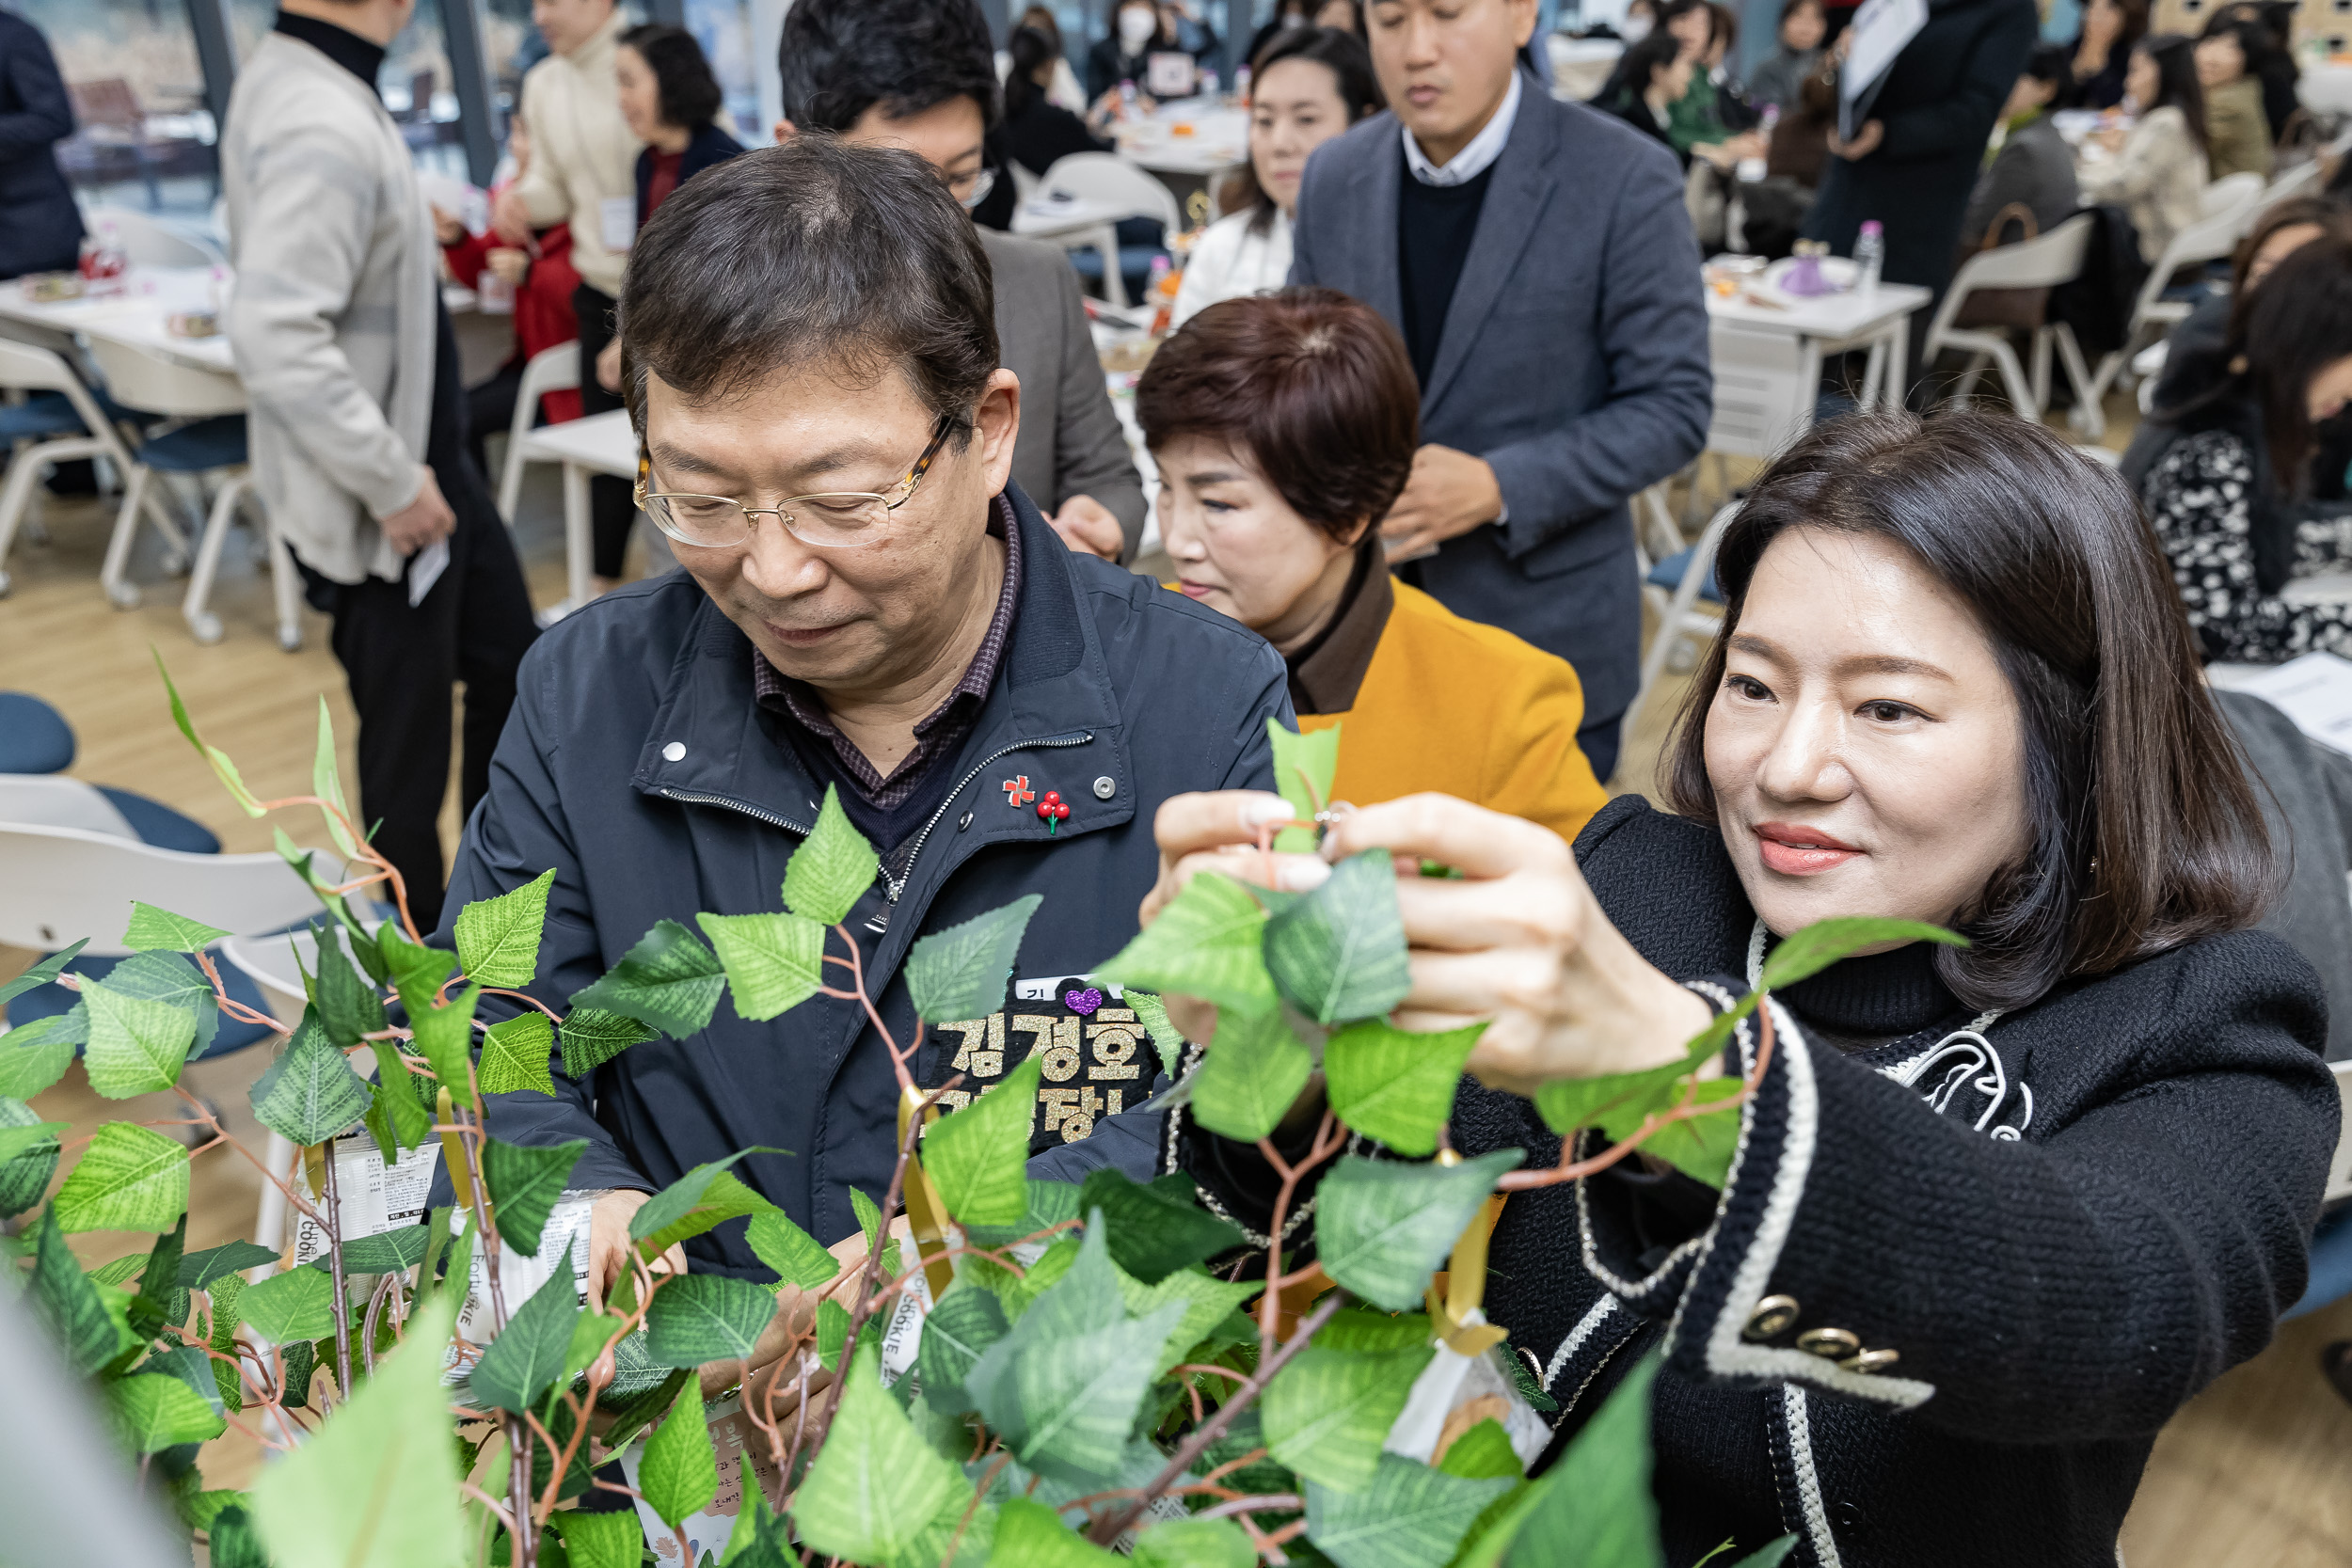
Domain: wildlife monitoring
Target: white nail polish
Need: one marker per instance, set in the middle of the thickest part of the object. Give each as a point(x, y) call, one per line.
point(1259, 810)
point(1303, 875)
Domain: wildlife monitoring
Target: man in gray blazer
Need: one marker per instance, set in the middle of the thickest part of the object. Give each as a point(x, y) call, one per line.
point(1536, 258)
point(919, 74)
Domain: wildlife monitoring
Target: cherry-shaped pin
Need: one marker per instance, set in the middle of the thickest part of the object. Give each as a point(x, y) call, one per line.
point(1052, 811)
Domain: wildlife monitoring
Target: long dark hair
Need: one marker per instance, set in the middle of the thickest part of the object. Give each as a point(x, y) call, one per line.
point(1631, 80)
point(689, 95)
point(2145, 833)
point(1349, 61)
point(2175, 57)
point(2299, 323)
point(1029, 48)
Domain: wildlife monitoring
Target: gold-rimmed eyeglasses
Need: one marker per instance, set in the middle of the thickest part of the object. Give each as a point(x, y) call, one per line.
point(830, 519)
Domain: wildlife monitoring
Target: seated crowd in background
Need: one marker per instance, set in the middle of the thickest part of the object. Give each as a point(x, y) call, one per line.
point(2238, 132)
point(2031, 166)
point(2102, 53)
point(1796, 55)
point(2158, 170)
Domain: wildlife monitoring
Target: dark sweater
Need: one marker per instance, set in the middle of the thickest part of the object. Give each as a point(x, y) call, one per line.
point(1435, 227)
point(2059, 1266)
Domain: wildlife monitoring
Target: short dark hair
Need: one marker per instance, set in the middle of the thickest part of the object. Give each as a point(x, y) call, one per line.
point(2145, 832)
point(690, 94)
point(1028, 49)
point(1315, 387)
point(2176, 59)
point(1341, 53)
point(2050, 62)
point(2295, 325)
point(812, 252)
point(840, 58)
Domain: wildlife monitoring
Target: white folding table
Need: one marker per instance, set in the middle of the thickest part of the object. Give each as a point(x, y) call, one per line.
point(1766, 347)
point(599, 444)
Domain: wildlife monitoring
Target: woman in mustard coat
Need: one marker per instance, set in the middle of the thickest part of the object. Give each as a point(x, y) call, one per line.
point(1284, 427)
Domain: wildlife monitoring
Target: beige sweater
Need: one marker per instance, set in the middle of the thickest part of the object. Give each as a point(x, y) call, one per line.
point(2159, 179)
point(332, 315)
point(581, 153)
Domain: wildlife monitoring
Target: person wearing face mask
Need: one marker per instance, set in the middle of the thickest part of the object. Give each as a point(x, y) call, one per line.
point(1289, 14)
point(1639, 21)
point(1137, 34)
point(1311, 86)
point(918, 74)
point(1247, 410)
point(2157, 171)
point(1996, 1212)
point(1484, 218)
point(2228, 486)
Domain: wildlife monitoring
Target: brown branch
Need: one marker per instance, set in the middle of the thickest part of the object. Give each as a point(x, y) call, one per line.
point(1329, 1139)
point(1285, 1501)
point(987, 1479)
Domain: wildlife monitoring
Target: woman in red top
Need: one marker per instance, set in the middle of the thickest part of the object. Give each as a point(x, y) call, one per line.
point(543, 280)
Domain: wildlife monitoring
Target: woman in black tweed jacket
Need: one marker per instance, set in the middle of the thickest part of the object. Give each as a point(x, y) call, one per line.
point(1997, 1213)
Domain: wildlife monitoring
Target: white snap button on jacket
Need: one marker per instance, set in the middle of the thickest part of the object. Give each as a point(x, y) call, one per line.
point(674, 751)
point(1105, 788)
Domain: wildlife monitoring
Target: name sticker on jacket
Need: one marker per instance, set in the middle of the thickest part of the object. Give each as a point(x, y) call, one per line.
point(1097, 1060)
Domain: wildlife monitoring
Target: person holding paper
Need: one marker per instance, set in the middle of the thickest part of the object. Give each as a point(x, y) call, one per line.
point(356, 417)
point(1922, 84)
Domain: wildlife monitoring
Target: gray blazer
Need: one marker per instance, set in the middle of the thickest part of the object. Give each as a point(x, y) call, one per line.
point(2035, 166)
point(1070, 442)
point(1574, 361)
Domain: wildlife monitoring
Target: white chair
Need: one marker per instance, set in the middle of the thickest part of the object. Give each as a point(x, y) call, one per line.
point(68, 883)
point(2209, 239)
point(1111, 181)
point(276, 964)
point(148, 242)
point(65, 425)
point(2296, 182)
point(1684, 612)
point(550, 370)
point(2231, 193)
point(2042, 263)
point(54, 801)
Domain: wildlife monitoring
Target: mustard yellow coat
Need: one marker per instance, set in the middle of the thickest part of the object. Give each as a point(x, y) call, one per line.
point(1465, 709)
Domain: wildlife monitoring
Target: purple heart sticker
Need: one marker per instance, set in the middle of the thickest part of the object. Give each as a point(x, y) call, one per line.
point(1083, 1002)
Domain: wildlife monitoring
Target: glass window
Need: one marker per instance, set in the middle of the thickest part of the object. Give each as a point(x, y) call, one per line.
point(415, 81)
point(723, 28)
point(145, 137)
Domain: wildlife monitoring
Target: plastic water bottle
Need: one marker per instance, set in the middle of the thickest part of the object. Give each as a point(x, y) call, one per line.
point(1241, 85)
point(1127, 100)
point(1869, 256)
point(1209, 84)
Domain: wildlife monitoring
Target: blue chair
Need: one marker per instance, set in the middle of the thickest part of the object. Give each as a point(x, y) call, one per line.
point(62, 421)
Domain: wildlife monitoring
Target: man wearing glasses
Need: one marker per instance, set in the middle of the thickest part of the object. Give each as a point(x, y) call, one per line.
point(919, 74)
point(868, 602)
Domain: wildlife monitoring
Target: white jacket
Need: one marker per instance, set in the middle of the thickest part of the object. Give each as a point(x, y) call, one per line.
point(582, 153)
point(1229, 262)
point(332, 316)
point(2158, 178)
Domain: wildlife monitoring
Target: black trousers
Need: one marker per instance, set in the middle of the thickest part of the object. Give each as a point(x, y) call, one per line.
point(490, 410)
point(401, 662)
point(611, 506)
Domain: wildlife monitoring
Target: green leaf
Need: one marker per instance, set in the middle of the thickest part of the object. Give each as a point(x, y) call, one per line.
point(797, 1256)
point(1207, 1302)
point(1410, 1516)
point(1166, 1038)
point(309, 1094)
point(1154, 1230)
point(395, 1114)
point(1594, 1508)
point(151, 928)
point(231, 1541)
point(1702, 1147)
point(704, 1197)
point(515, 1055)
point(41, 973)
point(524, 1184)
point(1066, 1404)
point(591, 1333)
point(151, 1412)
point(1327, 1413)
point(632, 1413)
point(1384, 1226)
point(959, 1331)
point(497, 939)
point(696, 1318)
point(222, 767)
point(1207, 942)
point(775, 962)
point(1393, 1086)
point(1250, 1075)
point(83, 1316)
point(122, 1270)
point(28, 1154)
point(1482, 1452)
point(678, 1473)
point(833, 1330)
point(1032, 1535)
point(1808, 951)
point(417, 973)
point(668, 980)
point(129, 1178)
point(832, 869)
point(376, 1485)
point(601, 1540)
point(528, 1355)
point(592, 1036)
point(1339, 953)
point(961, 972)
point(1619, 1098)
point(349, 1007)
point(868, 1216)
point(1304, 765)
point(1195, 1543)
point(444, 1038)
point(327, 782)
point(33, 1057)
point(387, 1252)
point(876, 1484)
point(197, 1269)
point(137, 1046)
point(979, 1156)
point(294, 1304)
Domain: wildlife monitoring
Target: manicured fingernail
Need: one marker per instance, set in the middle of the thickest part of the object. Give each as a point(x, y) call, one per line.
point(1303, 875)
point(1259, 810)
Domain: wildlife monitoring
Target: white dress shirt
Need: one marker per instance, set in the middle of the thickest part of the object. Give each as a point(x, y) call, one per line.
point(1229, 261)
point(1473, 160)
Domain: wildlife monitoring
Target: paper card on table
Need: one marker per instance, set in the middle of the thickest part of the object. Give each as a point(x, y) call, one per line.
point(616, 221)
point(2314, 691)
point(373, 1199)
point(1879, 31)
point(519, 1276)
point(424, 569)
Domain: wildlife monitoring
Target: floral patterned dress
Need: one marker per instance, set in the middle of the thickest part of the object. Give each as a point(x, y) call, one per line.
point(2200, 502)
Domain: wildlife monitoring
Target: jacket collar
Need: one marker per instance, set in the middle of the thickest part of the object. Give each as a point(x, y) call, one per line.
point(596, 53)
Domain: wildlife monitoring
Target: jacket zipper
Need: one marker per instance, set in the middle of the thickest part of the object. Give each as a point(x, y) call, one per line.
point(880, 921)
point(688, 798)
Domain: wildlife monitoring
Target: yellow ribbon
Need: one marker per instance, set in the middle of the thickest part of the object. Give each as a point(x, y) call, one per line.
point(926, 1215)
point(1466, 1281)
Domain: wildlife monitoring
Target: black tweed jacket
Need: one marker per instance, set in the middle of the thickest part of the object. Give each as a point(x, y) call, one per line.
point(2049, 1233)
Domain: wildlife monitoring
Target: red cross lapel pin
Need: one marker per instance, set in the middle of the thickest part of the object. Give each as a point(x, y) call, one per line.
point(1018, 793)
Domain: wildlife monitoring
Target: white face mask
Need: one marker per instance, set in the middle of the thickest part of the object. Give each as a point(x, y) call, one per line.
point(1135, 28)
point(1634, 29)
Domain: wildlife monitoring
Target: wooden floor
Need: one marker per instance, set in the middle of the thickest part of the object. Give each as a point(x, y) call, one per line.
point(2257, 1473)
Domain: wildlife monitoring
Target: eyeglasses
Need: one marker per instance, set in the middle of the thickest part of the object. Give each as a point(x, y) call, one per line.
point(830, 520)
point(973, 188)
